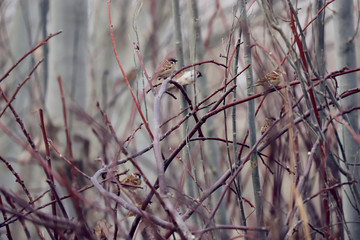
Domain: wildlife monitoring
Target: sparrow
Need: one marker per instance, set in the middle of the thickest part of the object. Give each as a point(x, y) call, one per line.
point(102, 229)
point(272, 79)
point(184, 78)
point(132, 181)
point(265, 126)
point(164, 70)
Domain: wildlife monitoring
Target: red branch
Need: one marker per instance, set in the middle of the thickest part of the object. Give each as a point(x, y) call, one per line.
point(47, 149)
point(68, 138)
point(28, 53)
point(313, 103)
point(137, 50)
point(67, 160)
point(20, 86)
point(123, 73)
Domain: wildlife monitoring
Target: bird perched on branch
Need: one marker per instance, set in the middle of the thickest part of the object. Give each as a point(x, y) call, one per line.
point(272, 79)
point(265, 126)
point(132, 181)
point(185, 78)
point(164, 70)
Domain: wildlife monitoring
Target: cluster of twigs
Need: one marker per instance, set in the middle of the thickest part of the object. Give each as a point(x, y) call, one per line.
point(298, 146)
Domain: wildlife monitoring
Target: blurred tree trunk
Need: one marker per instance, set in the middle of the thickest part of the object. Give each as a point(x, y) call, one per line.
point(346, 56)
point(22, 37)
point(102, 62)
point(251, 116)
point(68, 58)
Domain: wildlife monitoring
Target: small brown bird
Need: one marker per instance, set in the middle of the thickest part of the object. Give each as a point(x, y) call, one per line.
point(265, 126)
point(102, 229)
point(184, 78)
point(164, 70)
point(132, 181)
point(272, 79)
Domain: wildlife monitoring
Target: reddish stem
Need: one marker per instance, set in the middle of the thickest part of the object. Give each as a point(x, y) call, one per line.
point(48, 159)
point(20, 86)
point(313, 102)
point(67, 133)
point(124, 75)
point(28, 53)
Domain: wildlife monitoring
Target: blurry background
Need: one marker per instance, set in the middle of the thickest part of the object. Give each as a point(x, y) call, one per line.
point(82, 56)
